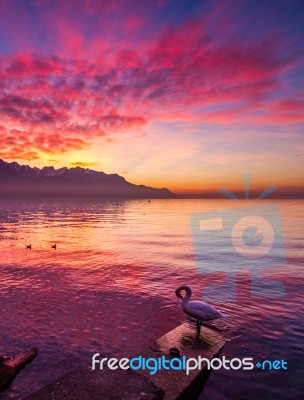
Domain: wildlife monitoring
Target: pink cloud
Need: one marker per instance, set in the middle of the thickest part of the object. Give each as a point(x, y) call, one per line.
point(54, 104)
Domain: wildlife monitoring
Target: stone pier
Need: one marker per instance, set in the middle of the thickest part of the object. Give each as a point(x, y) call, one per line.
point(84, 384)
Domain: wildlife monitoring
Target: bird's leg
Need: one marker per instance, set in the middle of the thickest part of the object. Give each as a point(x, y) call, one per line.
point(198, 327)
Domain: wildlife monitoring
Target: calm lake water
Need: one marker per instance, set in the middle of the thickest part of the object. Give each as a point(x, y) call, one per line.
point(109, 288)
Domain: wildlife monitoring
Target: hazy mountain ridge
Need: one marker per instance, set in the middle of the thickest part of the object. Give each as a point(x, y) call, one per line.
point(23, 180)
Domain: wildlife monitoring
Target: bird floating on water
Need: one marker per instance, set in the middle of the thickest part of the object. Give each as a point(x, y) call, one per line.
point(54, 246)
point(29, 246)
point(199, 310)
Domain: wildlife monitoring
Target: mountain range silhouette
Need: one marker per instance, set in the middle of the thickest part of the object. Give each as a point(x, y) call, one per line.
point(24, 181)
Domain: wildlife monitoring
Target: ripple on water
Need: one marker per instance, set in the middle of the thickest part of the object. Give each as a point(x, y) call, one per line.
point(109, 288)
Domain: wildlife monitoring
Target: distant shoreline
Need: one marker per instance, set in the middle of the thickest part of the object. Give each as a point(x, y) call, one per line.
point(120, 198)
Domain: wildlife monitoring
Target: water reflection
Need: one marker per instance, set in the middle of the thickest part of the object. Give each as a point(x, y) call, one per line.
point(109, 287)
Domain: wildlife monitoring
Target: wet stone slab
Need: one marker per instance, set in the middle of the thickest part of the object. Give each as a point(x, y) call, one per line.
point(84, 384)
point(177, 384)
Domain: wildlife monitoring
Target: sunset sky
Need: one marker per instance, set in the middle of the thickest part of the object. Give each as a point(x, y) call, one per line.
point(182, 94)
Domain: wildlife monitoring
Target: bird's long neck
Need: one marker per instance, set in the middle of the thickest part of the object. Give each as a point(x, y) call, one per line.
point(187, 295)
